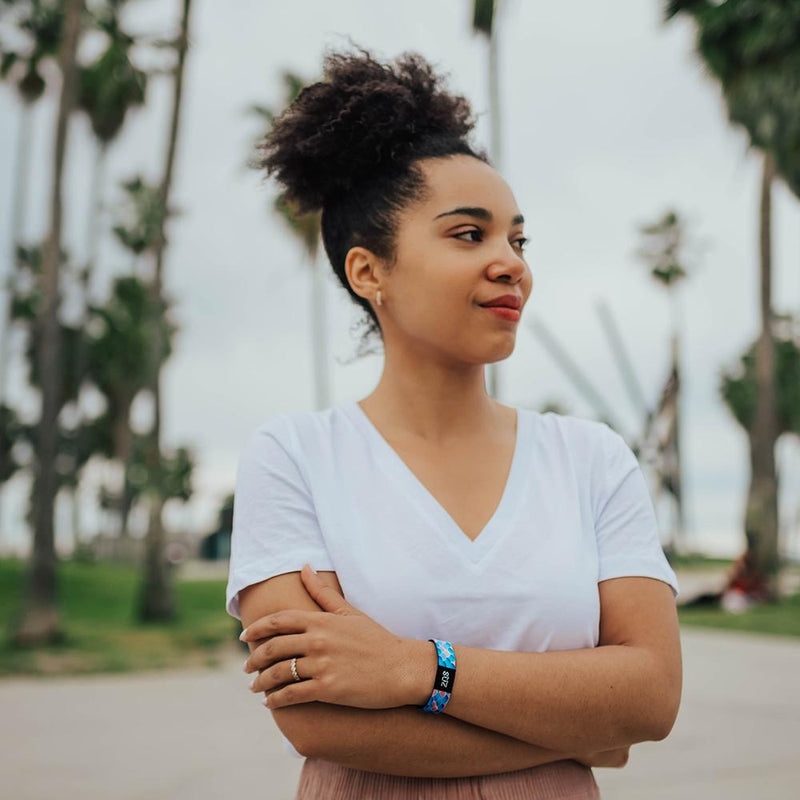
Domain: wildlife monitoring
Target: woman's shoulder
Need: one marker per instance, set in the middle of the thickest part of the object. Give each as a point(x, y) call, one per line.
point(302, 422)
point(305, 433)
point(577, 432)
point(317, 423)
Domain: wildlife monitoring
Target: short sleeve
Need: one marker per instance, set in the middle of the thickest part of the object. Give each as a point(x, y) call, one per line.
point(275, 525)
point(625, 522)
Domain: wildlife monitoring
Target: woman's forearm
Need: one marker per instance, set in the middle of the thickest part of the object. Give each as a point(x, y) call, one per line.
point(583, 700)
point(405, 741)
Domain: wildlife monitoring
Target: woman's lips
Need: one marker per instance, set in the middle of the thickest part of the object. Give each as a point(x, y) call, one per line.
point(511, 314)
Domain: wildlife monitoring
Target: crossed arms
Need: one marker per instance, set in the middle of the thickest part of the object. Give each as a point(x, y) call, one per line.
point(546, 706)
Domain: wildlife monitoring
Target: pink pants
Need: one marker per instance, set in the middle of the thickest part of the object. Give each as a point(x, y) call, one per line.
point(558, 780)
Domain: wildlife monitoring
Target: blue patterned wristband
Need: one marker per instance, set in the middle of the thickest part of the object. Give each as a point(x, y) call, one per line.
point(445, 677)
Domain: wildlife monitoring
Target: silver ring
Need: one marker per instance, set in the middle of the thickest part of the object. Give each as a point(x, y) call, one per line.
point(294, 670)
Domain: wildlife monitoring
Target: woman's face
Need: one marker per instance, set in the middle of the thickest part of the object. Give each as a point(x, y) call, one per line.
point(448, 263)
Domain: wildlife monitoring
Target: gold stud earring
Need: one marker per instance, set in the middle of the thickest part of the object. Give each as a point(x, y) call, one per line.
point(378, 297)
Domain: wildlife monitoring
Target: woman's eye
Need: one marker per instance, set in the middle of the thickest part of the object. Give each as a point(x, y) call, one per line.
point(465, 233)
point(522, 241)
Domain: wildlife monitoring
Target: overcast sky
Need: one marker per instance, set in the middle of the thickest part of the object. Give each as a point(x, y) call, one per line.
point(608, 120)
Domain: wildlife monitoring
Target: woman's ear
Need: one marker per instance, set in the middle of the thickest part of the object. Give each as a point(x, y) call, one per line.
point(362, 269)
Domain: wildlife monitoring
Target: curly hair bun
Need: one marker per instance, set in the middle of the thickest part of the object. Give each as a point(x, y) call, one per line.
point(364, 118)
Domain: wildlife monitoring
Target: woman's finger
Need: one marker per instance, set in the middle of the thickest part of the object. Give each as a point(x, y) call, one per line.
point(287, 620)
point(304, 691)
point(326, 597)
point(280, 674)
point(277, 648)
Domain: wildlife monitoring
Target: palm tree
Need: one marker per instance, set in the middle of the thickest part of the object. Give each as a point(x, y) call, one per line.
point(751, 48)
point(109, 88)
point(76, 440)
point(306, 230)
point(173, 478)
point(140, 217)
point(125, 355)
point(662, 251)
point(739, 390)
point(42, 23)
point(121, 334)
point(122, 339)
point(40, 617)
point(156, 597)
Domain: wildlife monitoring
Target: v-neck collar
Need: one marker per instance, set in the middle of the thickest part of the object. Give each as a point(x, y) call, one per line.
point(500, 521)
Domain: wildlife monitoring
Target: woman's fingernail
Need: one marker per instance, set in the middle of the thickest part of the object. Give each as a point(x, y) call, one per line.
point(246, 662)
point(312, 569)
point(242, 635)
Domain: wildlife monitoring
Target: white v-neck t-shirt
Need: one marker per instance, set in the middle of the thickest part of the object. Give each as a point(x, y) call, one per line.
point(325, 487)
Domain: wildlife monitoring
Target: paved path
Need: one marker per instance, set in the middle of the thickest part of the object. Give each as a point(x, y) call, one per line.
point(737, 731)
point(195, 734)
point(200, 735)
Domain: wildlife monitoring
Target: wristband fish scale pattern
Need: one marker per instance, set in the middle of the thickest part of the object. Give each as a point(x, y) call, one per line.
point(437, 701)
point(446, 669)
point(447, 656)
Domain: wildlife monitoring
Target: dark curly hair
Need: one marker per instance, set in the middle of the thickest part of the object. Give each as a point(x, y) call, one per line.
point(348, 145)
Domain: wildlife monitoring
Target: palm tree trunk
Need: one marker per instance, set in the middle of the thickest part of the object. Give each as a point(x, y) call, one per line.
point(92, 238)
point(122, 437)
point(761, 517)
point(126, 505)
point(156, 596)
point(679, 535)
point(40, 621)
point(678, 538)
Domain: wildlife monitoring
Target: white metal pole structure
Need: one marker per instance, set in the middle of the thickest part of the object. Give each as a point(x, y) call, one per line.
point(494, 145)
point(319, 332)
point(484, 22)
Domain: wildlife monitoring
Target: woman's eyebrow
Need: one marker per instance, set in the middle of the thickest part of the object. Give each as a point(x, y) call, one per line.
point(480, 213)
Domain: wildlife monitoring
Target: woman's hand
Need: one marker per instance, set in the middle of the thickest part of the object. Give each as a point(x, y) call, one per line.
point(343, 656)
point(618, 757)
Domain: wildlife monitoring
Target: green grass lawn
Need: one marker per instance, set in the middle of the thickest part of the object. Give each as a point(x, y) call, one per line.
point(782, 619)
point(698, 561)
point(97, 602)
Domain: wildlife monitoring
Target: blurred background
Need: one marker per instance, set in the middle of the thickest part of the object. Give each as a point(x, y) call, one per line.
point(159, 300)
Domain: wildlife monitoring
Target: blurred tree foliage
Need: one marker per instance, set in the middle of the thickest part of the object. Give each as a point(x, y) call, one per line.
point(738, 385)
point(753, 48)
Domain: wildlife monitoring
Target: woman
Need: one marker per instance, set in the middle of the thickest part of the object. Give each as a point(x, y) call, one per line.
point(491, 613)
